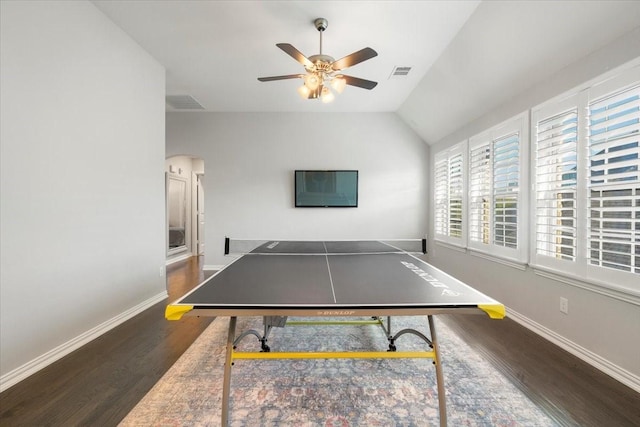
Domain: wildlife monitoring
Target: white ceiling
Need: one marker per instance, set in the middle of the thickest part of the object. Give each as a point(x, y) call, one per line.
point(216, 50)
point(467, 57)
point(505, 48)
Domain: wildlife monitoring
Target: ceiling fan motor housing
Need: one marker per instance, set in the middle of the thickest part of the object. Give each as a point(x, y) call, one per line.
point(321, 63)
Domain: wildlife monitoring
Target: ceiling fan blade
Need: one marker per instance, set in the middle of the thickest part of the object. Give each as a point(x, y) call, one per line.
point(355, 81)
point(288, 76)
point(295, 54)
point(354, 58)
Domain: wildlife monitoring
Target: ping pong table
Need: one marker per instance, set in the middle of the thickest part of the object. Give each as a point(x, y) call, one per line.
point(324, 279)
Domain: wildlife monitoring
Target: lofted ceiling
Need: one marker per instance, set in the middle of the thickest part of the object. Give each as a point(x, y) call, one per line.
point(216, 50)
point(466, 57)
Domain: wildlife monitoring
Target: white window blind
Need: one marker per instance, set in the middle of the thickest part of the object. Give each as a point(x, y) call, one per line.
point(456, 192)
point(441, 216)
point(555, 195)
point(614, 181)
point(449, 188)
point(496, 169)
point(480, 193)
point(587, 183)
point(506, 173)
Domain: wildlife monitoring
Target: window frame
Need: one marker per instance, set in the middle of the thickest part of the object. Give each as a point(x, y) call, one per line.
point(538, 114)
point(446, 155)
point(581, 98)
point(621, 279)
point(518, 124)
point(616, 283)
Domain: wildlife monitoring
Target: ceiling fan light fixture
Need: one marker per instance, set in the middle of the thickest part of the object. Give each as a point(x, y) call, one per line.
point(338, 84)
point(326, 95)
point(312, 81)
point(304, 92)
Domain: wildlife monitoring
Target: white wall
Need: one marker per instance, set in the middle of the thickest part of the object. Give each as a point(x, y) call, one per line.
point(82, 186)
point(249, 162)
point(602, 329)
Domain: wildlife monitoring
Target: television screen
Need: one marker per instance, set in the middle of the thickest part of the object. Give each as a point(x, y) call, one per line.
point(324, 189)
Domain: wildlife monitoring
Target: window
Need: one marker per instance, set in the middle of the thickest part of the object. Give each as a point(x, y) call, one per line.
point(442, 196)
point(587, 183)
point(480, 193)
point(555, 196)
point(449, 180)
point(584, 201)
point(614, 181)
point(506, 152)
point(496, 174)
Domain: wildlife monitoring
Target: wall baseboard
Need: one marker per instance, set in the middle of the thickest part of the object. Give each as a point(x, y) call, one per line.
point(11, 378)
point(212, 267)
point(620, 374)
point(179, 258)
point(30, 368)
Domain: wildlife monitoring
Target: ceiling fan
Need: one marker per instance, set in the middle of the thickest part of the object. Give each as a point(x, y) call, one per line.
point(324, 71)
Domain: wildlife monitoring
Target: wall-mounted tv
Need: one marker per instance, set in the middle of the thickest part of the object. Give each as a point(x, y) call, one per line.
point(326, 188)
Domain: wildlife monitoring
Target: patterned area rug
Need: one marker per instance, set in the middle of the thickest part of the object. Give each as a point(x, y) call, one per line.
point(331, 392)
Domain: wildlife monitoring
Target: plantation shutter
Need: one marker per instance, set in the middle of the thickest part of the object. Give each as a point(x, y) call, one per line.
point(441, 217)
point(456, 189)
point(480, 193)
point(555, 195)
point(506, 172)
point(614, 181)
point(449, 192)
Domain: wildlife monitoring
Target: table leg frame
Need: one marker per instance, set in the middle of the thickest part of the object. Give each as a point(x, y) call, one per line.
point(442, 399)
point(226, 387)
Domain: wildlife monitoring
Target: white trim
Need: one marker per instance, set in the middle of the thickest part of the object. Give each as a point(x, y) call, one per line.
point(522, 266)
point(451, 246)
point(616, 372)
point(179, 258)
point(172, 252)
point(212, 267)
point(22, 372)
point(582, 283)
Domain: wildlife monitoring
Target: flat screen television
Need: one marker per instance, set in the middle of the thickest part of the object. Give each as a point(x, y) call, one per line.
point(326, 188)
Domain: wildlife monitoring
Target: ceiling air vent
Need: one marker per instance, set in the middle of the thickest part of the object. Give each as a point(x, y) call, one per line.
point(399, 72)
point(183, 102)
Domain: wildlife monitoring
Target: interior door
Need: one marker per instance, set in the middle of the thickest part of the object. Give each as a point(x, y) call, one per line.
point(200, 212)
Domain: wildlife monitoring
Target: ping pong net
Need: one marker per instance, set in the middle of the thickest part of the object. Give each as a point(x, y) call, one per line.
point(321, 247)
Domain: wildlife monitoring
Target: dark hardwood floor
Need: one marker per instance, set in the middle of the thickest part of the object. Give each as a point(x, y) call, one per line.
point(571, 391)
point(100, 383)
